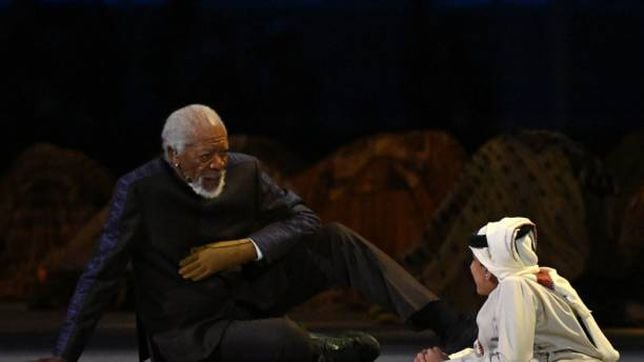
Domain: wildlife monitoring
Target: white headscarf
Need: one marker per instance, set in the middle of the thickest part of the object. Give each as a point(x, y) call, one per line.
point(506, 255)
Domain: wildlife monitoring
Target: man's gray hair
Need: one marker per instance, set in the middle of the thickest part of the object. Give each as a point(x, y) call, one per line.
point(180, 127)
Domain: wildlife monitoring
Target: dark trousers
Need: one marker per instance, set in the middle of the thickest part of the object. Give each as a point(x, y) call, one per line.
point(335, 256)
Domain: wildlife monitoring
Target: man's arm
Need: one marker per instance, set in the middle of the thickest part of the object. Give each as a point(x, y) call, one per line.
point(286, 221)
point(214, 257)
point(285, 217)
point(100, 279)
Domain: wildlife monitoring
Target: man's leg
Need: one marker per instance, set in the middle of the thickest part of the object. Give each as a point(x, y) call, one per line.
point(336, 256)
point(350, 261)
point(392, 287)
point(272, 339)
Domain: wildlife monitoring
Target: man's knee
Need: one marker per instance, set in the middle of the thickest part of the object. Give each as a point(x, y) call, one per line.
point(328, 237)
point(337, 243)
point(336, 230)
point(345, 238)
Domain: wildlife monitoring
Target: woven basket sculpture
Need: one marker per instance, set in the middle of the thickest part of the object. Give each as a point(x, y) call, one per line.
point(385, 187)
point(538, 174)
point(48, 195)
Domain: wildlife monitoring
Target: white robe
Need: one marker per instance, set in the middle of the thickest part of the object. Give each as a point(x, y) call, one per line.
point(524, 321)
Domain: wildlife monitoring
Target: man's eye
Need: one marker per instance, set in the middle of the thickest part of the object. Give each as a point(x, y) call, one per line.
point(204, 158)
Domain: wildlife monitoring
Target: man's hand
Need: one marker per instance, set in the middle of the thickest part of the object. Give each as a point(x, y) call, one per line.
point(433, 354)
point(212, 258)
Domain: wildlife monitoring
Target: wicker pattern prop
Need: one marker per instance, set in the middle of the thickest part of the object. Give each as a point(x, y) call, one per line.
point(537, 174)
point(48, 195)
point(385, 187)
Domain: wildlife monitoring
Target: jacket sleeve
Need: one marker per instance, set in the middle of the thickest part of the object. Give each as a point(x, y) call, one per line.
point(99, 281)
point(284, 217)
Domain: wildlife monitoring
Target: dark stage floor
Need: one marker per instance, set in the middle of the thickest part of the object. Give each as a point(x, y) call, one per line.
point(26, 335)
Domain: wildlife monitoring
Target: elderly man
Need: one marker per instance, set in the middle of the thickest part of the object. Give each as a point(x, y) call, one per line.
point(219, 253)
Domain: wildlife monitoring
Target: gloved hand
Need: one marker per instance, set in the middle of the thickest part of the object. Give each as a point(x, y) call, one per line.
point(211, 258)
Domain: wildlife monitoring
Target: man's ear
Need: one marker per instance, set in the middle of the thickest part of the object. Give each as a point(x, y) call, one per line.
point(172, 155)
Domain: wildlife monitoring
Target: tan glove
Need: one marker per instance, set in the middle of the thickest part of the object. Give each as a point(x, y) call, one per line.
point(211, 258)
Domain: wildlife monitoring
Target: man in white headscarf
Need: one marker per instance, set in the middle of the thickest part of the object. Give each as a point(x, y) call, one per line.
point(531, 313)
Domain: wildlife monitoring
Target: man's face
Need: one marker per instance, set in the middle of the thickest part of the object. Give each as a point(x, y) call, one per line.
point(484, 280)
point(202, 163)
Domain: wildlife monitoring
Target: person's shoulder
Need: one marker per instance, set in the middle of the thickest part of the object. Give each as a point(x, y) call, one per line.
point(513, 279)
point(511, 290)
point(518, 286)
point(148, 169)
point(238, 158)
point(514, 282)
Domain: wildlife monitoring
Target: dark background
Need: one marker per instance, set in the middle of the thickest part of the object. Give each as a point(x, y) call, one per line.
point(101, 76)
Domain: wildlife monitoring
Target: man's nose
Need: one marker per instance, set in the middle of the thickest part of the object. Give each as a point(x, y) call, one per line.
point(218, 162)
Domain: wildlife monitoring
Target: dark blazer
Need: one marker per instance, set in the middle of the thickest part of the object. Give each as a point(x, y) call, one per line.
point(154, 221)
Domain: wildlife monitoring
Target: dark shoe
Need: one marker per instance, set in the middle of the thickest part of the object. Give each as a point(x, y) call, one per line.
point(346, 347)
point(456, 329)
point(461, 334)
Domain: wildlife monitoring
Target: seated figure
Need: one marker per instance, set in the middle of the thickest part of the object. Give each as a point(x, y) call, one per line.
point(531, 313)
point(219, 253)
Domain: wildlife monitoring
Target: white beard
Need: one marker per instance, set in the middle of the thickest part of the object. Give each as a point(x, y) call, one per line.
point(201, 191)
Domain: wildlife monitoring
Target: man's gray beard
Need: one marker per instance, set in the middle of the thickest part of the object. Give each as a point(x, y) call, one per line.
point(199, 190)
